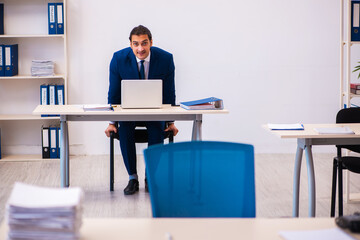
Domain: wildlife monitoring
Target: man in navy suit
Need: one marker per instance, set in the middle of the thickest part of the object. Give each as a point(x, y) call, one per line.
point(140, 61)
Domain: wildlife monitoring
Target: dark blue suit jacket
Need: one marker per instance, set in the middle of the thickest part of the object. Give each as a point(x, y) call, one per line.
point(124, 66)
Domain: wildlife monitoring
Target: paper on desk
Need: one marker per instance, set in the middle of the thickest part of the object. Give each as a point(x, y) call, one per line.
point(334, 130)
point(28, 196)
point(294, 126)
point(98, 107)
point(324, 234)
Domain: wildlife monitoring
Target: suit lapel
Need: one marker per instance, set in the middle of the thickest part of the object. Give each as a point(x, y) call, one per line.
point(133, 67)
point(152, 67)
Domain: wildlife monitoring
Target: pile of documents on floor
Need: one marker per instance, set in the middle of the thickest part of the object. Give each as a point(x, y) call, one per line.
point(44, 213)
point(42, 68)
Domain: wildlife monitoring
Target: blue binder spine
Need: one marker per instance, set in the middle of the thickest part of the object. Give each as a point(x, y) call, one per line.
point(52, 96)
point(11, 60)
point(2, 60)
point(44, 96)
point(58, 142)
point(355, 20)
point(60, 97)
point(45, 142)
point(59, 18)
point(53, 141)
point(1, 18)
point(52, 18)
point(0, 143)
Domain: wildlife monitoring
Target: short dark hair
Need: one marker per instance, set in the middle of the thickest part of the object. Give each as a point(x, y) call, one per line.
point(140, 30)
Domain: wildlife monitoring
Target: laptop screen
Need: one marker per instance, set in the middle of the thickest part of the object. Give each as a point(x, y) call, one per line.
point(141, 93)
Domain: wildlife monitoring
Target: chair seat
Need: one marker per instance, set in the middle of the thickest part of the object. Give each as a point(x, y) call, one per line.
point(351, 163)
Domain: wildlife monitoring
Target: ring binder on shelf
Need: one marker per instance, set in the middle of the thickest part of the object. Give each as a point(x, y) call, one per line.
point(45, 142)
point(59, 18)
point(52, 18)
point(1, 18)
point(53, 141)
point(11, 60)
point(2, 62)
point(355, 20)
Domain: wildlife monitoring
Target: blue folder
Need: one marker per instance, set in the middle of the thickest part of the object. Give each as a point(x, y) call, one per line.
point(355, 20)
point(45, 142)
point(52, 94)
point(1, 18)
point(11, 60)
point(60, 97)
point(44, 96)
point(58, 142)
point(52, 18)
point(0, 143)
point(2, 60)
point(59, 18)
point(53, 141)
point(203, 104)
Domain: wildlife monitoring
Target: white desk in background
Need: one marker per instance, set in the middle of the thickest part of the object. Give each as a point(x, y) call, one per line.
point(194, 228)
point(76, 113)
point(305, 140)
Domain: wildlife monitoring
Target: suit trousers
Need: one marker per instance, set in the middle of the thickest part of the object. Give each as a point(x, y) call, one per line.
point(126, 132)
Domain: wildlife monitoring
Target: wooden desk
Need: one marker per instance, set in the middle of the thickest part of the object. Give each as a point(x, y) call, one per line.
point(76, 113)
point(194, 229)
point(305, 140)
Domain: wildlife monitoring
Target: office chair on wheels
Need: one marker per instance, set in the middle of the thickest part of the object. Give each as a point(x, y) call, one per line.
point(141, 136)
point(351, 163)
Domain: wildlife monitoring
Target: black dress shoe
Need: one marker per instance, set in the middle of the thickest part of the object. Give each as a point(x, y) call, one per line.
point(146, 186)
point(132, 187)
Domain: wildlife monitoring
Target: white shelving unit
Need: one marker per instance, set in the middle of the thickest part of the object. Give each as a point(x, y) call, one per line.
point(347, 64)
point(346, 61)
point(26, 24)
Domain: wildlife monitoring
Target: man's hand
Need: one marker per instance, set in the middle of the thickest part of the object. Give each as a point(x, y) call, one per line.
point(110, 128)
point(172, 128)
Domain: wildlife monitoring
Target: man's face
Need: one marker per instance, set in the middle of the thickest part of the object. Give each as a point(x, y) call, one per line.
point(140, 44)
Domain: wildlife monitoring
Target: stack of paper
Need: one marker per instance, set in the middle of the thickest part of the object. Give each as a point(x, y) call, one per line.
point(98, 107)
point(334, 130)
point(44, 213)
point(42, 68)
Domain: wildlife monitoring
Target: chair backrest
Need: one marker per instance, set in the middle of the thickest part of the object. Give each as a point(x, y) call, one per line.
point(201, 179)
point(349, 115)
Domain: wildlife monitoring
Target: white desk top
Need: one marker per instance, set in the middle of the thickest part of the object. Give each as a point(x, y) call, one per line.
point(199, 228)
point(309, 131)
point(78, 110)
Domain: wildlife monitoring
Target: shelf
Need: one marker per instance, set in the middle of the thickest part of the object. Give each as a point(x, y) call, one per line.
point(6, 117)
point(25, 158)
point(57, 76)
point(33, 36)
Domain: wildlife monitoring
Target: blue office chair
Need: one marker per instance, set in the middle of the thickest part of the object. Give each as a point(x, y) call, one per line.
point(201, 179)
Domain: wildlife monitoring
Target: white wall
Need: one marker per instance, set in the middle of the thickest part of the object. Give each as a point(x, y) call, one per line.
point(270, 61)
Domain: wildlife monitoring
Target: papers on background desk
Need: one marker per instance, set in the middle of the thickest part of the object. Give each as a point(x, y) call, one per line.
point(323, 234)
point(44, 213)
point(334, 130)
point(293, 126)
point(98, 107)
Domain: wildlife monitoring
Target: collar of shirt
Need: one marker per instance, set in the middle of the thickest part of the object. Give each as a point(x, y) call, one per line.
point(146, 65)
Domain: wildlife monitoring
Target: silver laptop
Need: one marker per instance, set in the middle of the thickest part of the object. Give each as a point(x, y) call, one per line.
point(141, 93)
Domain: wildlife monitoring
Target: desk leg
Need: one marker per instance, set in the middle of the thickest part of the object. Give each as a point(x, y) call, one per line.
point(63, 151)
point(311, 180)
point(296, 184)
point(196, 132)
